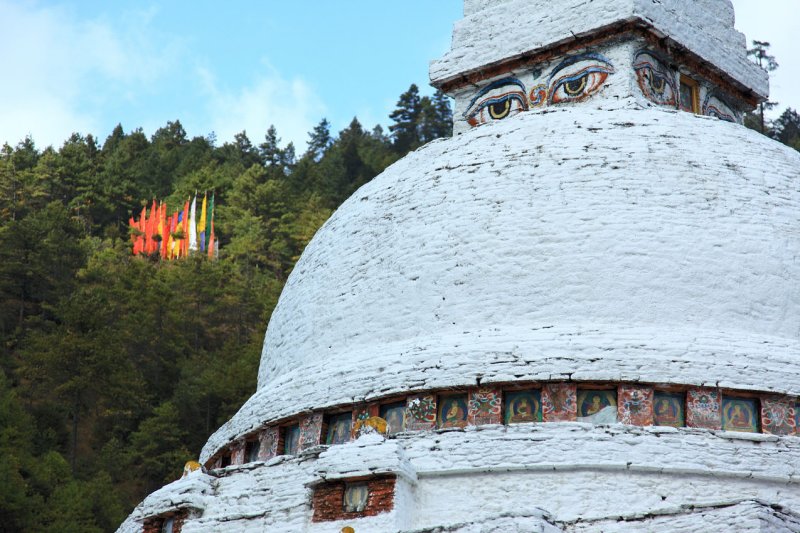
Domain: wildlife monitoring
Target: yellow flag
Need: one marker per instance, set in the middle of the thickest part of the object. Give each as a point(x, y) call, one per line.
point(201, 223)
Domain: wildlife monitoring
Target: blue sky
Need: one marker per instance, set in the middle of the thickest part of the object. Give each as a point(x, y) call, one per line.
point(87, 65)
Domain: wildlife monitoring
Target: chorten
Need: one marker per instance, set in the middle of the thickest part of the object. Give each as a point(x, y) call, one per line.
point(579, 314)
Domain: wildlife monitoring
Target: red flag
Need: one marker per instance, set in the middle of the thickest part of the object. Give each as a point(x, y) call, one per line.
point(163, 229)
point(173, 224)
point(142, 227)
point(212, 238)
point(153, 222)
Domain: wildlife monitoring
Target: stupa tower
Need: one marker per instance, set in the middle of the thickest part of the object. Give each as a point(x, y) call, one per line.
point(579, 314)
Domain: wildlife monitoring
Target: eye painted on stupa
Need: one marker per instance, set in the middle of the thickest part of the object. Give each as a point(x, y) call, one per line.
point(714, 106)
point(656, 80)
point(497, 101)
point(578, 77)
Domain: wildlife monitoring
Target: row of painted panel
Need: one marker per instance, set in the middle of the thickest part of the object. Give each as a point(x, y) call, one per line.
point(632, 404)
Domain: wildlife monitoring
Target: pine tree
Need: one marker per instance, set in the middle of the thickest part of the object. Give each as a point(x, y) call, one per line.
point(786, 128)
point(270, 150)
point(319, 140)
point(760, 55)
point(404, 131)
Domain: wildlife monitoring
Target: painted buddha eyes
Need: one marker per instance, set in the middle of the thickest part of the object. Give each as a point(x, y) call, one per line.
point(714, 106)
point(499, 100)
point(578, 78)
point(655, 80)
point(574, 79)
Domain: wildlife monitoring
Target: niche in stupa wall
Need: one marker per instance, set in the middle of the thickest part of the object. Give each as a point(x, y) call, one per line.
point(626, 71)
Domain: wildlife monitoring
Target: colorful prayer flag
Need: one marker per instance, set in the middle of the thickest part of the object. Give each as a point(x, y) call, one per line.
point(201, 224)
point(193, 225)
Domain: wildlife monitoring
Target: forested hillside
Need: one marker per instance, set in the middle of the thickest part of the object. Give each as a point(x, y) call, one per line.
point(115, 368)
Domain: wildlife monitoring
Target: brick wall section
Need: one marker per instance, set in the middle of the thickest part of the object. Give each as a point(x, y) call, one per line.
point(328, 500)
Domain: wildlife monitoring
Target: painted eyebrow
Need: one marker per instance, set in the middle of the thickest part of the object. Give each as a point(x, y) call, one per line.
point(658, 56)
point(496, 85)
point(577, 59)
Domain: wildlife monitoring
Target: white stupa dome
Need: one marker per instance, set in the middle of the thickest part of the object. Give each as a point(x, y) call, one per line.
point(561, 244)
point(579, 314)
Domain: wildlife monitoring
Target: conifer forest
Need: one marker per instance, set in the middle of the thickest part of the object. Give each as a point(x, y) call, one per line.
point(115, 368)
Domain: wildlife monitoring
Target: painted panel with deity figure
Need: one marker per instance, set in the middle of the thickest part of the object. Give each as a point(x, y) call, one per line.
point(597, 406)
point(523, 406)
point(669, 409)
point(394, 414)
point(739, 414)
point(291, 439)
point(339, 428)
point(452, 411)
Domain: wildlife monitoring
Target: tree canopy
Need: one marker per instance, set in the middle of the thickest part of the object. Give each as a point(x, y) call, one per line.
point(115, 369)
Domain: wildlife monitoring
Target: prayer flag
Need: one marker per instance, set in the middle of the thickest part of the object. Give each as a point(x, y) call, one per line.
point(193, 225)
point(185, 230)
point(201, 224)
point(210, 228)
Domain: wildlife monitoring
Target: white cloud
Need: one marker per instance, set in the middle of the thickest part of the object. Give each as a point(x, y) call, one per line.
point(290, 105)
point(58, 71)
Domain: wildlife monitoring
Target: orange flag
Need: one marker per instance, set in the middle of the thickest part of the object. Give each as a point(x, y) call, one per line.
point(142, 229)
point(154, 227)
point(162, 244)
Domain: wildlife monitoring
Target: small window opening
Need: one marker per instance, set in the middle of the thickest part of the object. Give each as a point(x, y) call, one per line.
point(355, 497)
point(339, 428)
point(394, 414)
point(690, 95)
point(291, 439)
point(167, 525)
point(251, 449)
